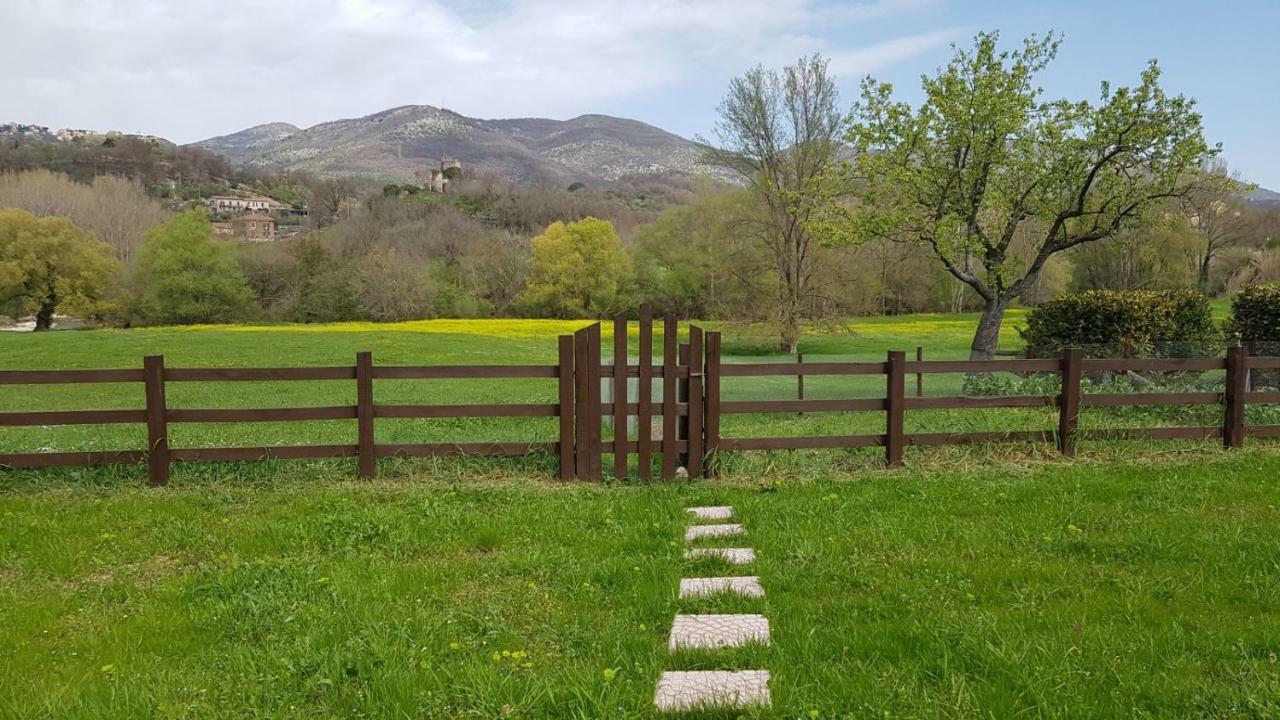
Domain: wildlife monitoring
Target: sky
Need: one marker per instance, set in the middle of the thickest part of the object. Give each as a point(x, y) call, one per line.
point(190, 69)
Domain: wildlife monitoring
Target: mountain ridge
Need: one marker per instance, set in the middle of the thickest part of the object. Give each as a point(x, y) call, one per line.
point(404, 142)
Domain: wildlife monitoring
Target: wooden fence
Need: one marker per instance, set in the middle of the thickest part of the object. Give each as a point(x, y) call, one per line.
point(688, 415)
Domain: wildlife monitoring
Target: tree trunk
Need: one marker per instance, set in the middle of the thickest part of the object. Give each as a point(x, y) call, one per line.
point(44, 316)
point(790, 334)
point(1204, 272)
point(987, 337)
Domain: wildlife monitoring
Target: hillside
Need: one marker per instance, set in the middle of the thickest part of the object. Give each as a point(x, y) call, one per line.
point(400, 143)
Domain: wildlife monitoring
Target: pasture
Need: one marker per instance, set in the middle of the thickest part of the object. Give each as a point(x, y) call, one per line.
point(980, 581)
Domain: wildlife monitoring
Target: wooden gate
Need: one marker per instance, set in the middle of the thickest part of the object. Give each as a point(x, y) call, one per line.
point(673, 430)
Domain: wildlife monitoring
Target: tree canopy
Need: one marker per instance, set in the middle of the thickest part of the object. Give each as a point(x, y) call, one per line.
point(183, 275)
point(985, 162)
point(577, 269)
point(48, 264)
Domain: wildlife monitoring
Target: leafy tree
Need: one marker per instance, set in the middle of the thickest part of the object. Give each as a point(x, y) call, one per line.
point(985, 159)
point(781, 132)
point(577, 270)
point(48, 264)
point(183, 275)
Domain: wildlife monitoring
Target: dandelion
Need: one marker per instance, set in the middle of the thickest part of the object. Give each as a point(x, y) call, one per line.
point(831, 497)
point(814, 713)
point(106, 536)
point(1073, 529)
point(455, 646)
point(108, 668)
point(609, 674)
point(533, 586)
point(322, 581)
point(526, 664)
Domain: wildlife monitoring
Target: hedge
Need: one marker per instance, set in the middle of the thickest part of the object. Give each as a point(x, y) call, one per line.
point(1159, 323)
point(1255, 313)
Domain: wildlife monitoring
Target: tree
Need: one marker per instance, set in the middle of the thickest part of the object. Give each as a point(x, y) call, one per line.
point(984, 159)
point(1218, 215)
point(781, 132)
point(49, 264)
point(577, 270)
point(183, 275)
point(115, 209)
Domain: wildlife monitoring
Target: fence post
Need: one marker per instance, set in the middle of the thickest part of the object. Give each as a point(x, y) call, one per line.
point(895, 407)
point(800, 379)
point(697, 422)
point(620, 397)
point(1237, 371)
point(713, 401)
point(364, 414)
point(581, 412)
point(682, 397)
point(565, 372)
point(919, 375)
point(644, 397)
point(595, 431)
point(1069, 402)
point(670, 331)
point(157, 421)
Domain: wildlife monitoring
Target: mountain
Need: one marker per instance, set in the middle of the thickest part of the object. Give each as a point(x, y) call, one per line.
point(242, 146)
point(1263, 197)
point(402, 143)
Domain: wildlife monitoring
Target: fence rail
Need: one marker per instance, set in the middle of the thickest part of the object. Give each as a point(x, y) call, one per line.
point(682, 427)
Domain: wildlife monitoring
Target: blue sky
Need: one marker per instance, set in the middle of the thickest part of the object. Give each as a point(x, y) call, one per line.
point(192, 69)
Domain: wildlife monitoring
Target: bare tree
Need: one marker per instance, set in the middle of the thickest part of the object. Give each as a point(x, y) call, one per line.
point(781, 132)
point(1218, 215)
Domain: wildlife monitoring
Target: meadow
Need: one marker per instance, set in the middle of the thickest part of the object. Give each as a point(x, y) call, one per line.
point(1139, 580)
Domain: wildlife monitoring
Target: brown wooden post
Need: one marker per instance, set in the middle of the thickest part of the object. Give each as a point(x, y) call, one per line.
point(682, 397)
point(595, 405)
point(157, 421)
point(895, 407)
point(713, 401)
point(581, 412)
point(364, 414)
point(644, 397)
point(800, 379)
point(669, 337)
point(620, 397)
point(919, 375)
point(697, 425)
point(1069, 401)
point(1233, 426)
point(1031, 355)
point(1251, 350)
point(565, 371)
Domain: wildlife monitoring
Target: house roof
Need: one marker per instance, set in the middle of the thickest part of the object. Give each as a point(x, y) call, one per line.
point(254, 216)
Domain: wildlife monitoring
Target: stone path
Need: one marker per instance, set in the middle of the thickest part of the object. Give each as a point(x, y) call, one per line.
point(701, 587)
point(705, 531)
point(712, 632)
point(733, 556)
point(683, 691)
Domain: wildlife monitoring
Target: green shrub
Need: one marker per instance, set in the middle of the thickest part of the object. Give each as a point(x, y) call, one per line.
point(1255, 313)
point(1165, 323)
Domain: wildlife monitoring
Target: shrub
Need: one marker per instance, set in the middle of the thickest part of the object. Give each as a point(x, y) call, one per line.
point(1255, 313)
point(1158, 323)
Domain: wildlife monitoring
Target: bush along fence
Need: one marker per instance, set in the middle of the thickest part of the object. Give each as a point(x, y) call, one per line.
point(682, 430)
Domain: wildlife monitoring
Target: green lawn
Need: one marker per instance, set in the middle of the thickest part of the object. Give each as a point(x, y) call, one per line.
point(963, 588)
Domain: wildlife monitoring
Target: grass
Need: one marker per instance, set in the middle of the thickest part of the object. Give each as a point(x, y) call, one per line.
point(960, 588)
point(983, 581)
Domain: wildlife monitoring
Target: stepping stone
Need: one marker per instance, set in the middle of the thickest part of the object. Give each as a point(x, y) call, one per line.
point(698, 587)
point(712, 632)
point(733, 556)
point(700, 531)
point(708, 689)
point(712, 512)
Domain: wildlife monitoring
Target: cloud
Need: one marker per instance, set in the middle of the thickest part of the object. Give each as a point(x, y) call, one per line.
point(202, 67)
